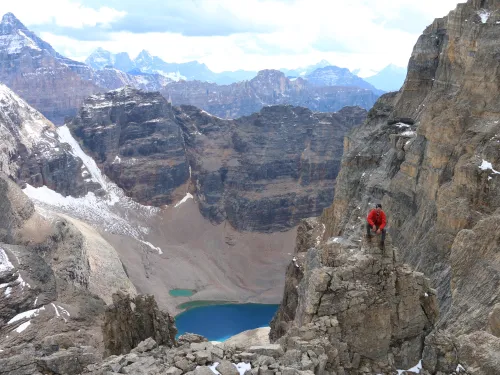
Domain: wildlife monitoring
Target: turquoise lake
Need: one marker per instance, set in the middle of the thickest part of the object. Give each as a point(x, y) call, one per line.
point(181, 292)
point(219, 322)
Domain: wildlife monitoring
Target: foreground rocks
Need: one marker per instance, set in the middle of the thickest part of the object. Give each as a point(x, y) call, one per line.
point(367, 311)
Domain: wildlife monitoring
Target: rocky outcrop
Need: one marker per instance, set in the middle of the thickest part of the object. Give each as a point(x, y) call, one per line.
point(128, 321)
point(368, 311)
point(359, 311)
point(269, 87)
point(264, 172)
point(430, 154)
point(309, 234)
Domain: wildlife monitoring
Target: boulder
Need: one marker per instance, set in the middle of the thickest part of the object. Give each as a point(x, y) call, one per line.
point(271, 350)
point(227, 368)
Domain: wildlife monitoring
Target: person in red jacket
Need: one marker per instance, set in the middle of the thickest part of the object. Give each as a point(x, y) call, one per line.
point(376, 221)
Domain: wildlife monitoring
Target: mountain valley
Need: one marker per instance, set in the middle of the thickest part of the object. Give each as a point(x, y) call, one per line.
point(138, 179)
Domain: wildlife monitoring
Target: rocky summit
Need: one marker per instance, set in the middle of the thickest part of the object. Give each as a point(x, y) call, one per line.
point(263, 172)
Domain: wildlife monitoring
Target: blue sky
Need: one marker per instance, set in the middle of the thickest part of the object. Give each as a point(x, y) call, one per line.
point(236, 34)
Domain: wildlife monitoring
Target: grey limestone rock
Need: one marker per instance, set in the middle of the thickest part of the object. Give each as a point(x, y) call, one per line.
point(124, 328)
point(227, 368)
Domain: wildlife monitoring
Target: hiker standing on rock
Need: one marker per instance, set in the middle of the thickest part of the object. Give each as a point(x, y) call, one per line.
point(376, 221)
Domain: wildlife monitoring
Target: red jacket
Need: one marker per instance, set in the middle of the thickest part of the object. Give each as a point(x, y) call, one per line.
point(377, 218)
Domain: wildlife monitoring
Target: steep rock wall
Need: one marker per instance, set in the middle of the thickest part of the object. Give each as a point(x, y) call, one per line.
point(430, 154)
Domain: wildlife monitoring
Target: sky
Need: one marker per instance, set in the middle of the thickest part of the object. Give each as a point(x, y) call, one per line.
point(236, 34)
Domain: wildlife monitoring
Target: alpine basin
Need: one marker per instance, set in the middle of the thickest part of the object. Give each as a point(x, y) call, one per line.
point(219, 322)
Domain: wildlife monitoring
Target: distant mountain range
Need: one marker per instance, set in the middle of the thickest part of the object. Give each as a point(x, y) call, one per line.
point(147, 63)
point(57, 85)
point(391, 78)
point(320, 74)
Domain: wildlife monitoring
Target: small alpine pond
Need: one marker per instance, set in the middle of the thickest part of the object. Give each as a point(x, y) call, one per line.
point(181, 292)
point(219, 322)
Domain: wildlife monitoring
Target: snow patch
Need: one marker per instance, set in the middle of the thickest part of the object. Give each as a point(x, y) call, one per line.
point(484, 14)
point(415, 368)
point(26, 315)
point(23, 326)
point(152, 246)
point(402, 125)
point(242, 367)
point(409, 133)
point(486, 165)
point(5, 264)
point(186, 197)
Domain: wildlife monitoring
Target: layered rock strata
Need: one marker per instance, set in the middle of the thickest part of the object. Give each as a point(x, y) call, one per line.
point(430, 154)
point(263, 172)
point(135, 139)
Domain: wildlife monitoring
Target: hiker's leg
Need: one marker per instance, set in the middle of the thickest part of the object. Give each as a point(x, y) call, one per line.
point(383, 235)
point(368, 227)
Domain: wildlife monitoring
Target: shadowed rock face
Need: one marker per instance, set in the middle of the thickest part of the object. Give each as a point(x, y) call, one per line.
point(263, 172)
point(133, 136)
point(430, 155)
point(129, 321)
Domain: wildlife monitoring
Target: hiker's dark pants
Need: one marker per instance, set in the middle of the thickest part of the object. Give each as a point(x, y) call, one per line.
point(369, 227)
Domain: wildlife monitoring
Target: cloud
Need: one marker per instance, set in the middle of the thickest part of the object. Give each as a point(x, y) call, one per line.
point(230, 35)
point(61, 13)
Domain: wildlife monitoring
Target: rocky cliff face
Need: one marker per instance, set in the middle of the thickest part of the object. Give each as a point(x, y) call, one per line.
point(430, 154)
point(33, 153)
point(133, 136)
point(269, 87)
point(264, 172)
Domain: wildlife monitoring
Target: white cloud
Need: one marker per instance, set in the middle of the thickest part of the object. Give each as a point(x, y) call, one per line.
point(355, 34)
point(65, 13)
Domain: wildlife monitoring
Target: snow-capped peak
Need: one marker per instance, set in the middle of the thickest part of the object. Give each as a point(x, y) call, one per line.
point(14, 36)
point(144, 56)
point(11, 22)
